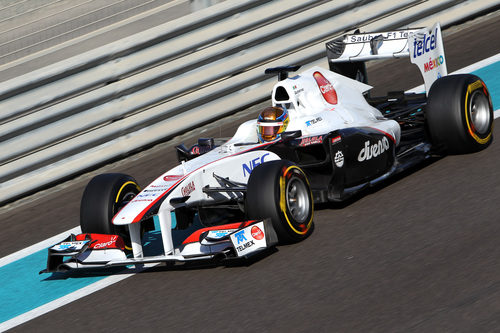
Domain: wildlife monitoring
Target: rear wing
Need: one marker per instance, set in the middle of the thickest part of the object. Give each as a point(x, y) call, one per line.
point(423, 46)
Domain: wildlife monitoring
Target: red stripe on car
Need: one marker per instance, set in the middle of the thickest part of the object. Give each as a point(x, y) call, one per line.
point(195, 236)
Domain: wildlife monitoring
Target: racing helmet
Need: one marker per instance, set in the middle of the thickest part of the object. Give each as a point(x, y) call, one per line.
point(272, 121)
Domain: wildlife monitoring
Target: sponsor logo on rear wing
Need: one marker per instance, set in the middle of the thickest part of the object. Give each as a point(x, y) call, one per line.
point(427, 52)
point(369, 46)
point(424, 47)
point(388, 35)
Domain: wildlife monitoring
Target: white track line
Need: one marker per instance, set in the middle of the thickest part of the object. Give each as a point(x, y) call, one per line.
point(468, 69)
point(41, 310)
point(38, 246)
point(478, 65)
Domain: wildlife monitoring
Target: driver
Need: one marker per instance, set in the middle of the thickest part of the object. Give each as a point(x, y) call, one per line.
point(272, 121)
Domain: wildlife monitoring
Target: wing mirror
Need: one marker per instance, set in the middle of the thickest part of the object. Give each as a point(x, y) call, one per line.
point(287, 136)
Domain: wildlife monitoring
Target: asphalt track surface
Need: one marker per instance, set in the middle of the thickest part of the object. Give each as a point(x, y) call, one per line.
point(419, 254)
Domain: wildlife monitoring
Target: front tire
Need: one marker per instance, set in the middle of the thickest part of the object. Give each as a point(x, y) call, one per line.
point(103, 197)
point(459, 114)
point(279, 190)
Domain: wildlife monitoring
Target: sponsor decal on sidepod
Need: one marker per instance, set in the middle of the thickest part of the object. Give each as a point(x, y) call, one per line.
point(336, 139)
point(339, 159)
point(248, 167)
point(313, 121)
point(172, 178)
point(297, 90)
point(188, 189)
point(311, 140)
point(374, 150)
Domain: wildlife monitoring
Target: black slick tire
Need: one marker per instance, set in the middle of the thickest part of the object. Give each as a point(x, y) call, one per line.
point(459, 114)
point(103, 197)
point(279, 190)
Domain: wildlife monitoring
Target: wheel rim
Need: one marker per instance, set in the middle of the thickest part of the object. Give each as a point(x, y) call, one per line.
point(297, 199)
point(127, 197)
point(480, 112)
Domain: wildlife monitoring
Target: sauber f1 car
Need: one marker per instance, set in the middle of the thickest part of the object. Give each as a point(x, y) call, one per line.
point(323, 139)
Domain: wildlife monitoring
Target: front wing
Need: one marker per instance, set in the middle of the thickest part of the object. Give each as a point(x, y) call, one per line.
point(235, 240)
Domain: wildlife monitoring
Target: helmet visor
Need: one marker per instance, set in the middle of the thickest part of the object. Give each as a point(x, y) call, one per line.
point(269, 131)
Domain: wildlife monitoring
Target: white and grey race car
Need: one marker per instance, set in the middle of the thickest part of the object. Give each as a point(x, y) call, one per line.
point(245, 195)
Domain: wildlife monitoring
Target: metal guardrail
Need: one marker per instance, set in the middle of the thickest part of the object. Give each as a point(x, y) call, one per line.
point(71, 116)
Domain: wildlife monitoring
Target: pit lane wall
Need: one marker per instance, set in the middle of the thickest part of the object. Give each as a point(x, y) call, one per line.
point(74, 115)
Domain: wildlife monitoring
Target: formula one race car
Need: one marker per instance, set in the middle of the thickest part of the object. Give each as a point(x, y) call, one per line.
point(323, 139)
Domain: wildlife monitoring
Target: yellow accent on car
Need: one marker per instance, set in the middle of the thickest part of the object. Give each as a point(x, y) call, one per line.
point(473, 86)
point(123, 186)
point(118, 197)
point(283, 201)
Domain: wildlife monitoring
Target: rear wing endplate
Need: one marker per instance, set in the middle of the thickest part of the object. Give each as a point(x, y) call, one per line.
point(423, 46)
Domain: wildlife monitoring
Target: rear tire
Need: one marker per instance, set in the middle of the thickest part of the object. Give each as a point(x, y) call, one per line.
point(103, 197)
point(279, 190)
point(459, 114)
